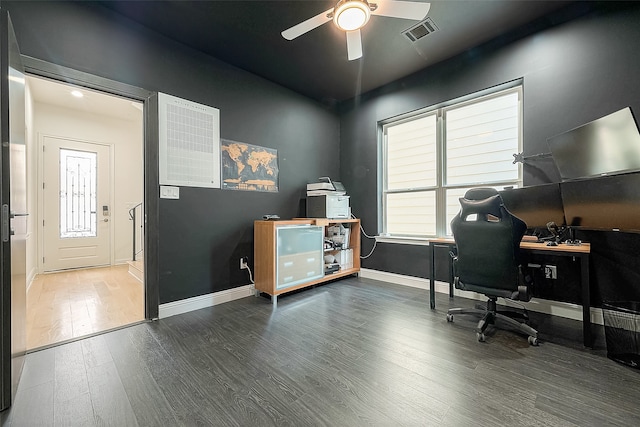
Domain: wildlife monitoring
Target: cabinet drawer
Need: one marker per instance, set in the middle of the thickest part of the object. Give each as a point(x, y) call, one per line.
point(303, 260)
point(299, 255)
point(297, 240)
point(292, 278)
point(295, 269)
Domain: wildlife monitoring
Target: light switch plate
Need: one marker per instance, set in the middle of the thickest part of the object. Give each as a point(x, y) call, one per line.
point(169, 192)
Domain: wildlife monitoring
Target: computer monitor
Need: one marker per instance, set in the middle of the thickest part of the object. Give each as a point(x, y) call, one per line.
point(605, 203)
point(536, 205)
point(606, 146)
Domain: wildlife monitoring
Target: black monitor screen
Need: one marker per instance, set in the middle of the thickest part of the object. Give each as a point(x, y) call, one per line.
point(606, 146)
point(536, 205)
point(605, 203)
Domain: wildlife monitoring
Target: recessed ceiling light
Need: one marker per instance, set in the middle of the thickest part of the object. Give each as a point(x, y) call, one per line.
point(77, 94)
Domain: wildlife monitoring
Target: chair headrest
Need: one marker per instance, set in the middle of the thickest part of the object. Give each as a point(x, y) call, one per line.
point(490, 205)
point(480, 193)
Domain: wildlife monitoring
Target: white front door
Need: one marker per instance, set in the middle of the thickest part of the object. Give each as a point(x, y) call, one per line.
point(76, 206)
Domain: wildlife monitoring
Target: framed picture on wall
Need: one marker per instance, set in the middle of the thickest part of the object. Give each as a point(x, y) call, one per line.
point(248, 167)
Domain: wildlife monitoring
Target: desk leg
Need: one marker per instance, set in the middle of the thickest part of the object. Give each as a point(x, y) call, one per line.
point(586, 301)
point(432, 279)
point(450, 274)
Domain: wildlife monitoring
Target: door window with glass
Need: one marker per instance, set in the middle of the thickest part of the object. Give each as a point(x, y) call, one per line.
point(432, 158)
point(78, 192)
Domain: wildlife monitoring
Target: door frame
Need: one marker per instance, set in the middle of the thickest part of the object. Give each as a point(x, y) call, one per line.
point(40, 195)
point(149, 99)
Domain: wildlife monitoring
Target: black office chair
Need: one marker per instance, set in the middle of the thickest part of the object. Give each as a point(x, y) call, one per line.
point(487, 261)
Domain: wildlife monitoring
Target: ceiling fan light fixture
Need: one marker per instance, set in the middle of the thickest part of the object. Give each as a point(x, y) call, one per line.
point(351, 15)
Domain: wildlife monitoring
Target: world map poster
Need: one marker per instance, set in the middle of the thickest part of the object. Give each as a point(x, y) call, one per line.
point(248, 167)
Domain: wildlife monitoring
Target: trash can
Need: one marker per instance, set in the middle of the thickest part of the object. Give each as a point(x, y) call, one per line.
point(622, 331)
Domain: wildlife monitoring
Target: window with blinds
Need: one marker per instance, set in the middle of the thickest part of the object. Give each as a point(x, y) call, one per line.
point(411, 177)
point(431, 159)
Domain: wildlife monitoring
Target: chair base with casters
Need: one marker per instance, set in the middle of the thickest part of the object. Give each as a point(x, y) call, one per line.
point(489, 316)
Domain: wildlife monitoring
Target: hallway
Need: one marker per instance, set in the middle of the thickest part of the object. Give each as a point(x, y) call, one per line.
point(75, 303)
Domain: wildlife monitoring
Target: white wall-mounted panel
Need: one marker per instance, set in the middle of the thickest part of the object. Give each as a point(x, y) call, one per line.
point(189, 143)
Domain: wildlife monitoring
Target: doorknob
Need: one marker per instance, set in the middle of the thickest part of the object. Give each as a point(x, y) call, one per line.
point(106, 220)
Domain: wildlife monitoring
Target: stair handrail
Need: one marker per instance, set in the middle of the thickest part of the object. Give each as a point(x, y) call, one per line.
point(132, 217)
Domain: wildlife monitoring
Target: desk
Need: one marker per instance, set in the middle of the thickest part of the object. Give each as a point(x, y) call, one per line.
point(580, 253)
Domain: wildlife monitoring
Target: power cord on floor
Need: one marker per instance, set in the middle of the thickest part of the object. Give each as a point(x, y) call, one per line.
point(375, 242)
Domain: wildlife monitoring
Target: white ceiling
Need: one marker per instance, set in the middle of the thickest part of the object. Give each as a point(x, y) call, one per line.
point(59, 94)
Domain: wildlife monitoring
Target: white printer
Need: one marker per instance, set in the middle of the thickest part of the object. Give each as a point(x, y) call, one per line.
point(327, 199)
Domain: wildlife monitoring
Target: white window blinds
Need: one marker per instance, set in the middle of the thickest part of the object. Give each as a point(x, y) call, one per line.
point(411, 165)
point(411, 154)
point(480, 141)
point(411, 214)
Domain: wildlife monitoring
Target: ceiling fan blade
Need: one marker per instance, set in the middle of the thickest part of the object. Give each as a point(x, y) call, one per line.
point(354, 45)
point(308, 25)
point(402, 9)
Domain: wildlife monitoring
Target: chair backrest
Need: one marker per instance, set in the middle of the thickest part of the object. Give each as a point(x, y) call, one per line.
point(488, 239)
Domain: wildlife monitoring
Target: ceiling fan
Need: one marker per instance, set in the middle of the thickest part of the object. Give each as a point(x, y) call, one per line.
point(351, 15)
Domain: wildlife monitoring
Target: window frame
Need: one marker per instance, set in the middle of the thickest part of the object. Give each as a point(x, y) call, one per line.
point(441, 186)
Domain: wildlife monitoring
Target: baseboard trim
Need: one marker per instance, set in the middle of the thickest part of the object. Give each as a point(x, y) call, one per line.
point(554, 308)
point(203, 301)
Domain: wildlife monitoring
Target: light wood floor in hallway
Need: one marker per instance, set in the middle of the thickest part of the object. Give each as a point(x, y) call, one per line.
point(72, 304)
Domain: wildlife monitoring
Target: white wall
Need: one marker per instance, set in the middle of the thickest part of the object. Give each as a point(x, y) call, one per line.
point(30, 140)
point(126, 137)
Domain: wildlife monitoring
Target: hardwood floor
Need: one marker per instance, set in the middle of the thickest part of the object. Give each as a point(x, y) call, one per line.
point(350, 353)
point(72, 304)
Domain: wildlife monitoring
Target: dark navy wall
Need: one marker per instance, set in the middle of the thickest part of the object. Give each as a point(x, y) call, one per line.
point(573, 72)
point(202, 235)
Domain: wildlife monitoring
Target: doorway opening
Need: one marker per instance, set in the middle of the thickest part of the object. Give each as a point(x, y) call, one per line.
point(87, 182)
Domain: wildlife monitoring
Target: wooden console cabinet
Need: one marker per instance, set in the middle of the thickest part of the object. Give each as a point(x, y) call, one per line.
point(282, 267)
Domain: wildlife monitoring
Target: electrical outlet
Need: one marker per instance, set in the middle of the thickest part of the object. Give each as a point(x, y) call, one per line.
point(244, 263)
point(550, 272)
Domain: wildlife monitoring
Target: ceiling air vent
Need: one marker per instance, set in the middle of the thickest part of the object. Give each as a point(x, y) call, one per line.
point(420, 30)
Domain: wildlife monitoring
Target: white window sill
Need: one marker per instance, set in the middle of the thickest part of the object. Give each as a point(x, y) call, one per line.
point(420, 241)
